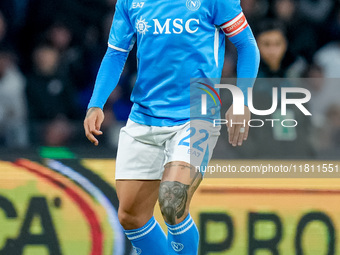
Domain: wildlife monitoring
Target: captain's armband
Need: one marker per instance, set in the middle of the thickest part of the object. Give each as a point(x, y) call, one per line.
point(235, 26)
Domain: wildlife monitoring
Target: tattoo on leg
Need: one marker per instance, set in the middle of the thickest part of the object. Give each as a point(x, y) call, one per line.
point(173, 197)
point(182, 165)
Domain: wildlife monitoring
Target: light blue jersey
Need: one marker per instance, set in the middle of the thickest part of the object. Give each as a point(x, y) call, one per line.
point(176, 40)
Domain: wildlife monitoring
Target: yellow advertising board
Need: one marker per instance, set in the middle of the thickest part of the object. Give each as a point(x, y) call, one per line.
point(69, 207)
point(56, 210)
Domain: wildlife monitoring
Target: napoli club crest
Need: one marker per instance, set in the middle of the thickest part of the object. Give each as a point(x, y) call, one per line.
point(193, 5)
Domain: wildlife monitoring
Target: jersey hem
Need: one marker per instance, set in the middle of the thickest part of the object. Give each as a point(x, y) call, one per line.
point(150, 121)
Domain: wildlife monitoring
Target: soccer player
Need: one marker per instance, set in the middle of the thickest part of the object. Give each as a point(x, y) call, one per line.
point(176, 40)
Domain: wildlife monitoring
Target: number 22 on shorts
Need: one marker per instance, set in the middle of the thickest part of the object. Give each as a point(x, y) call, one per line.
point(196, 144)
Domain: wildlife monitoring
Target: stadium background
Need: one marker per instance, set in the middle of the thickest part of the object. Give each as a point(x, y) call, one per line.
point(57, 192)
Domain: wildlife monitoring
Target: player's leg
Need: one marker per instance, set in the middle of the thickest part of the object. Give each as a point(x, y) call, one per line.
point(176, 190)
point(192, 146)
point(137, 199)
point(138, 172)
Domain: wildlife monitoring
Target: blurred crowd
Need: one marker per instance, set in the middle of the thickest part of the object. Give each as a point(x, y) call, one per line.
point(50, 52)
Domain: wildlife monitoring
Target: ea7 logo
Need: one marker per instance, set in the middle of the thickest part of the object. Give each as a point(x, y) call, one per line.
point(177, 26)
point(137, 5)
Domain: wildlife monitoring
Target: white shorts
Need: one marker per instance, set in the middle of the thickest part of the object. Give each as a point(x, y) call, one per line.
point(144, 150)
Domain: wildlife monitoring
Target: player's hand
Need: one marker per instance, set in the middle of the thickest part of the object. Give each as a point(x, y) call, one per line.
point(92, 123)
point(237, 132)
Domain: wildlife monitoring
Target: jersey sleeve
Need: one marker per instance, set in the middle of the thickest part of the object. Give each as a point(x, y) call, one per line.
point(230, 18)
point(122, 36)
point(226, 11)
point(108, 76)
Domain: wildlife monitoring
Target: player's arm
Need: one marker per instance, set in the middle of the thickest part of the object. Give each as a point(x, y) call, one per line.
point(107, 78)
point(121, 41)
point(239, 33)
point(229, 17)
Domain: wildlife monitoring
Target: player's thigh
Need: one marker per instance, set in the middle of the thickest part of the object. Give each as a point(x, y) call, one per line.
point(137, 199)
point(139, 168)
point(180, 181)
